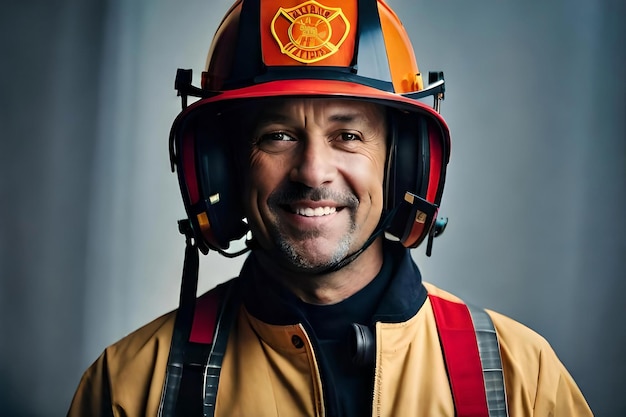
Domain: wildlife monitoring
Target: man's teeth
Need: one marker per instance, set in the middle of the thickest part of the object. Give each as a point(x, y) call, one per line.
point(315, 212)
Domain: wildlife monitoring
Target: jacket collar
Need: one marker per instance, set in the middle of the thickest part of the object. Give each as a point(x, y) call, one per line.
point(401, 298)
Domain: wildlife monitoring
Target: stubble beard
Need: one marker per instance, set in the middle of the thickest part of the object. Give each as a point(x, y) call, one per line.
point(292, 245)
point(299, 258)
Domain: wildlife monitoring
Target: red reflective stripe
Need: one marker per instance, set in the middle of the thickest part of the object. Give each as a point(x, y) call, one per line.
point(436, 162)
point(460, 350)
point(189, 167)
point(205, 316)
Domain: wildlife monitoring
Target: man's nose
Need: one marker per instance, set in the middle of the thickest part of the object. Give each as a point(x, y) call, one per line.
point(315, 162)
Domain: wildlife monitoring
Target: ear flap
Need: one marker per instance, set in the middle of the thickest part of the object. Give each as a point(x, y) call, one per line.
point(415, 175)
point(408, 161)
point(208, 180)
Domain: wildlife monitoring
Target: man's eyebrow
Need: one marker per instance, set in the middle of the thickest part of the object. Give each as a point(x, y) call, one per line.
point(265, 117)
point(347, 117)
point(269, 116)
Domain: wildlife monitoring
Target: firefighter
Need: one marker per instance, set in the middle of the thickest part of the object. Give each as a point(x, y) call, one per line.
point(316, 146)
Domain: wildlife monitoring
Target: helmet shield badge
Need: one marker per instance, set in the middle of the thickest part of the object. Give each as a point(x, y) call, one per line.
point(309, 32)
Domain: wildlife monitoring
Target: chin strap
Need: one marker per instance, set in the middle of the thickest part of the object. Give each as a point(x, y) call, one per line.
point(382, 226)
point(438, 228)
point(389, 224)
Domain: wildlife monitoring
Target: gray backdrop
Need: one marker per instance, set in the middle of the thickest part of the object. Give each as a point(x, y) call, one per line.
point(89, 248)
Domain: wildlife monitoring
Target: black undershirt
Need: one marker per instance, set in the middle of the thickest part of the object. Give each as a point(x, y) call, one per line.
point(331, 324)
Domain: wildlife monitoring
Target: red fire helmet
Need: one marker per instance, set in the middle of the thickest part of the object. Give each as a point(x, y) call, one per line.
point(268, 49)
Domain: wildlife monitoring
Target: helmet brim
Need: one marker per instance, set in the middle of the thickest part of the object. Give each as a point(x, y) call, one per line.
point(321, 89)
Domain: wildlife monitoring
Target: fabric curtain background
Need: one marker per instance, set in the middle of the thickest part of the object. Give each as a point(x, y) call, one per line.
point(89, 248)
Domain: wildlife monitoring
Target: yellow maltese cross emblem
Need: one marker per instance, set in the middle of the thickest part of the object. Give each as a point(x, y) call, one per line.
point(310, 32)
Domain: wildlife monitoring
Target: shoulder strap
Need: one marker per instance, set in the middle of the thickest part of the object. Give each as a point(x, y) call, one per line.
point(489, 349)
point(205, 314)
point(230, 304)
point(179, 348)
point(192, 346)
point(198, 342)
point(472, 355)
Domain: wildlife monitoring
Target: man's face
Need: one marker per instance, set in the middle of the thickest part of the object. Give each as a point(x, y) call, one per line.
point(315, 181)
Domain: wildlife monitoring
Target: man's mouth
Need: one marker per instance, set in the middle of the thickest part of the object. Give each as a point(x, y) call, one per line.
point(314, 212)
point(311, 202)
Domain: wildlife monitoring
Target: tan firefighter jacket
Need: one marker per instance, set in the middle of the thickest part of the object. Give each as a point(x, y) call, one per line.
point(265, 374)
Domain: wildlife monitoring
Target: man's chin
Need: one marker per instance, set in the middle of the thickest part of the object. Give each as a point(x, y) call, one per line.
point(311, 259)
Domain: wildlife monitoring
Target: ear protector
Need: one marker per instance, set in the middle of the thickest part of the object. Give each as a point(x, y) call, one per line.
point(416, 168)
point(206, 156)
point(208, 178)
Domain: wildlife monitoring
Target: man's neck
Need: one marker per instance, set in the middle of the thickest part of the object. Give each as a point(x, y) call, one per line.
point(327, 288)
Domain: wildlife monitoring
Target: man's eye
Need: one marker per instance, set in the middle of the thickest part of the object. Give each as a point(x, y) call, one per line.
point(276, 136)
point(349, 136)
point(274, 142)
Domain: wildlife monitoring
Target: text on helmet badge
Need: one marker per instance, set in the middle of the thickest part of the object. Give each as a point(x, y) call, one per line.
point(310, 32)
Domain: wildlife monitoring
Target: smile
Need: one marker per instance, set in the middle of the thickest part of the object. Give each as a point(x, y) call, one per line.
point(315, 212)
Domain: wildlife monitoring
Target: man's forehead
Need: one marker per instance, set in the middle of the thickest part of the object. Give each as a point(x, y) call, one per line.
point(333, 109)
